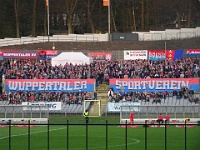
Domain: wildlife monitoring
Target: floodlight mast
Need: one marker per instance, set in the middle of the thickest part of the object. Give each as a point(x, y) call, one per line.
point(109, 20)
point(47, 5)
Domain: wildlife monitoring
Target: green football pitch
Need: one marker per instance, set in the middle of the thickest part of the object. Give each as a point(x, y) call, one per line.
point(100, 137)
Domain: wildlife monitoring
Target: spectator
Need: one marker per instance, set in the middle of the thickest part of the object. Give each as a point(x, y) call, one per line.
point(110, 95)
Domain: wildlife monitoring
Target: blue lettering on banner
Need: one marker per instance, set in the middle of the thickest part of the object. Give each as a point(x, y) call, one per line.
point(51, 105)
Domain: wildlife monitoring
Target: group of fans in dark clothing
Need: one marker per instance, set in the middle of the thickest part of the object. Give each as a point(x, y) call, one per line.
point(69, 98)
point(156, 96)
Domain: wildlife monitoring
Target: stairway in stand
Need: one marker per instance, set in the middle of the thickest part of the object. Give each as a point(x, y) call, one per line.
point(102, 94)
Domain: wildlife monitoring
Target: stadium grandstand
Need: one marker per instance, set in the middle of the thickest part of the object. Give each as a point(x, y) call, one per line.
point(99, 75)
point(115, 83)
point(155, 73)
point(104, 73)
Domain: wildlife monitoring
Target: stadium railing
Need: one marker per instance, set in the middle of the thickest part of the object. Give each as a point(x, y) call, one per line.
point(106, 126)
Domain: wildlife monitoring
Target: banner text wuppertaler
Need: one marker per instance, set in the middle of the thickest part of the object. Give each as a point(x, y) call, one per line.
point(49, 86)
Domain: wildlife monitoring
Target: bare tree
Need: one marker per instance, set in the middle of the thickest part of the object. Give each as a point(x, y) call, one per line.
point(34, 18)
point(45, 19)
point(16, 6)
point(70, 5)
point(132, 15)
point(147, 15)
point(142, 14)
point(90, 7)
point(156, 14)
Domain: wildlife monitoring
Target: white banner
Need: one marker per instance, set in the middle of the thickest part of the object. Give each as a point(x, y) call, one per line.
point(135, 54)
point(115, 107)
point(51, 105)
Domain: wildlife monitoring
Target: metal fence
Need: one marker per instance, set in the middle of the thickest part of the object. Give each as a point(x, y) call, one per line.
point(146, 138)
point(144, 111)
point(152, 111)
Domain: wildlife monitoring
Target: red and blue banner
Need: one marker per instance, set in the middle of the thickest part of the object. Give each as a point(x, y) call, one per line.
point(1, 55)
point(47, 54)
point(192, 52)
point(154, 84)
point(16, 54)
point(56, 85)
point(100, 55)
point(168, 54)
point(156, 54)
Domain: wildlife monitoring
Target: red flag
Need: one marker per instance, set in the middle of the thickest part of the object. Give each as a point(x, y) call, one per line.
point(105, 2)
point(47, 3)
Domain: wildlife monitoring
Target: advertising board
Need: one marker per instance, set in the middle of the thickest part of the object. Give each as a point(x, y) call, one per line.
point(156, 54)
point(100, 55)
point(115, 107)
point(20, 54)
point(192, 52)
point(135, 54)
point(51, 105)
point(47, 54)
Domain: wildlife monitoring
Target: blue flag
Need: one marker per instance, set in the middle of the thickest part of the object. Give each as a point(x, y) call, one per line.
point(178, 54)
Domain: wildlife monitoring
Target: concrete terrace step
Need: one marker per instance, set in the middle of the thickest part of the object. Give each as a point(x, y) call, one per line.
point(102, 94)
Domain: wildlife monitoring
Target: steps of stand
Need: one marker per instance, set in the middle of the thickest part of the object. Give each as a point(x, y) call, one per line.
point(102, 94)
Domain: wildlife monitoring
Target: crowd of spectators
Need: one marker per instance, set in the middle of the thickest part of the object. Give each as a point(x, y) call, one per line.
point(156, 96)
point(42, 69)
point(69, 98)
point(102, 71)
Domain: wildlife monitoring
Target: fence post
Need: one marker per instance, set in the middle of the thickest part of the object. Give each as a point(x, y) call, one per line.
point(67, 135)
point(185, 136)
point(86, 144)
point(165, 135)
point(106, 134)
point(9, 122)
point(48, 135)
point(126, 136)
point(145, 135)
point(29, 146)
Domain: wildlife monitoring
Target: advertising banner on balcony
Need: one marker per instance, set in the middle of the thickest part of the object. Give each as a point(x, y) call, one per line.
point(156, 54)
point(192, 52)
point(51, 85)
point(100, 55)
point(135, 54)
point(154, 84)
point(1, 55)
point(115, 107)
point(170, 54)
point(178, 54)
point(20, 54)
point(39, 105)
point(47, 54)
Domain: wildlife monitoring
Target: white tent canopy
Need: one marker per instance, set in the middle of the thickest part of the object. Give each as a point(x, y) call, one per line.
point(70, 57)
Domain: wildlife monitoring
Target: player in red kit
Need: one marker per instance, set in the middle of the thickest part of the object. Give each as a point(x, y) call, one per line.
point(160, 119)
point(167, 117)
point(131, 117)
